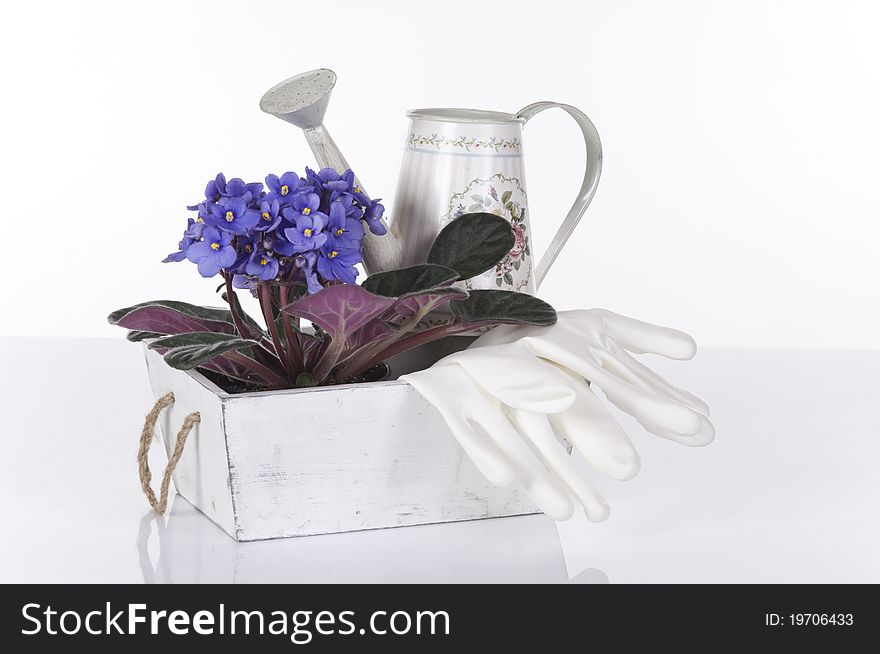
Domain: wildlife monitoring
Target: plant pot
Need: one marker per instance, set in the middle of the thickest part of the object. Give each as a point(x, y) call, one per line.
point(323, 460)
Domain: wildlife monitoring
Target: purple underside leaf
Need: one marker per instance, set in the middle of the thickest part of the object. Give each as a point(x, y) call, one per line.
point(165, 317)
point(404, 308)
point(340, 310)
point(382, 330)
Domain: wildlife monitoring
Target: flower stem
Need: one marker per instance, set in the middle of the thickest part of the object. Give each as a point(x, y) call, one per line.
point(266, 306)
point(293, 345)
point(243, 331)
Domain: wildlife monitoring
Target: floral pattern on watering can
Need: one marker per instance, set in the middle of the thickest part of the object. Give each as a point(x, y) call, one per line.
point(505, 197)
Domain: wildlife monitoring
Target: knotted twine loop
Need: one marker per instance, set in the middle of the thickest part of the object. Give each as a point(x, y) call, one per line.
point(147, 437)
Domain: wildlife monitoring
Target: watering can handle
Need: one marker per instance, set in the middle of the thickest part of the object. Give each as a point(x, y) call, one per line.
point(588, 188)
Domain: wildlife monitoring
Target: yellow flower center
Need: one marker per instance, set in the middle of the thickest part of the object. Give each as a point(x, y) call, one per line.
point(215, 246)
point(285, 190)
point(307, 231)
point(306, 211)
point(199, 219)
point(333, 254)
point(340, 231)
point(230, 216)
point(266, 216)
point(357, 189)
point(263, 261)
point(248, 248)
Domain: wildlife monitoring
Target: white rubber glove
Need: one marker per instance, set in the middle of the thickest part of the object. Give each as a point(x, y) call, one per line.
point(515, 389)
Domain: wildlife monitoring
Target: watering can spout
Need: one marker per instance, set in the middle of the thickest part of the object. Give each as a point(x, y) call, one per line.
point(302, 101)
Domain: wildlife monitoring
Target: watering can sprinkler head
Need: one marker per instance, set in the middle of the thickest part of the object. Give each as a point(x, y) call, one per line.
point(302, 99)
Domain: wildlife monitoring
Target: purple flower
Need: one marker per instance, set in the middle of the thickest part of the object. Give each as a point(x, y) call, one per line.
point(245, 282)
point(330, 180)
point(233, 215)
point(270, 216)
point(338, 264)
point(282, 188)
point(306, 263)
point(237, 188)
point(195, 228)
point(212, 189)
point(244, 249)
point(307, 234)
point(360, 197)
point(343, 232)
point(305, 204)
point(212, 254)
point(262, 265)
point(189, 237)
point(278, 243)
point(373, 212)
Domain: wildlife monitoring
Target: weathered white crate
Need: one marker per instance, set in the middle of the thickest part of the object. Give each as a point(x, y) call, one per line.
point(322, 460)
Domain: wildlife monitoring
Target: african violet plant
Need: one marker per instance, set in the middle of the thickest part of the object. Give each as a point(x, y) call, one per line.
point(295, 247)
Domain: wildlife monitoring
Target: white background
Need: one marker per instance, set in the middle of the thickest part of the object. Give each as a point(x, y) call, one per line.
point(738, 200)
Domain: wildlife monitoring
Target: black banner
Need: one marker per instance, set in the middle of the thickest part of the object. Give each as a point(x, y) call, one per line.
point(433, 618)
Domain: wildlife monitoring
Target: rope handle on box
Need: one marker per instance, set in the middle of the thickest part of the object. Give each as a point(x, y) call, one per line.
point(147, 437)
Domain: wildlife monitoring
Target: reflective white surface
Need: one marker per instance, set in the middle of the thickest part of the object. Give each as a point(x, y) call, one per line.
point(789, 491)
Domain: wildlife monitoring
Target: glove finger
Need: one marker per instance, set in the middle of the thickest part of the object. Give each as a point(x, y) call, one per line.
point(640, 374)
point(441, 386)
point(596, 436)
point(538, 429)
point(517, 378)
point(548, 494)
point(648, 408)
point(487, 436)
point(703, 437)
point(641, 337)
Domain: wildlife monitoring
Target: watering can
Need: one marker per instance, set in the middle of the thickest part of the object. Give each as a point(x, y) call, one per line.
point(456, 161)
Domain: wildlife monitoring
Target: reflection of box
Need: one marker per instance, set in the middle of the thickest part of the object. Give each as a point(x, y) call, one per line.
point(190, 549)
point(321, 460)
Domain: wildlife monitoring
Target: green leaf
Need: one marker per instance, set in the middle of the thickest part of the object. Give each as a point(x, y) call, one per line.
point(472, 244)
point(186, 351)
point(505, 197)
point(394, 283)
point(305, 379)
point(508, 279)
point(503, 307)
point(137, 335)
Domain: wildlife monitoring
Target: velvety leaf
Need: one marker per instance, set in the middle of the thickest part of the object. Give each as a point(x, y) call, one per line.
point(340, 310)
point(169, 317)
point(427, 301)
point(394, 283)
point(472, 244)
point(136, 336)
point(503, 307)
point(233, 370)
point(405, 307)
point(238, 370)
point(186, 351)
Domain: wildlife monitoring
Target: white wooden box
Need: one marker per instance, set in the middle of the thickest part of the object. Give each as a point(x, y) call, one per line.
point(321, 460)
